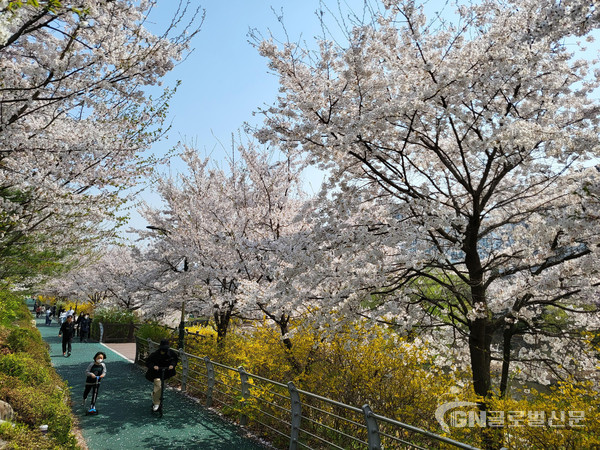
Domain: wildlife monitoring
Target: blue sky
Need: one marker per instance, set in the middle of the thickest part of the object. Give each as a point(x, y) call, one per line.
point(224, 80)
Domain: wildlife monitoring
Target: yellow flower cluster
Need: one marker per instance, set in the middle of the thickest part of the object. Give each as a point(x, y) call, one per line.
point(397, 378)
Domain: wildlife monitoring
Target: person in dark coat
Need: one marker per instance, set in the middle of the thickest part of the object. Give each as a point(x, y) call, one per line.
point(84, 328)
point(166, 358)
point(67, 330)
point(78, 323)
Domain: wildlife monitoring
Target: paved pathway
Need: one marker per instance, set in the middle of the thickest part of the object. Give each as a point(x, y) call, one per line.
point(124, 419)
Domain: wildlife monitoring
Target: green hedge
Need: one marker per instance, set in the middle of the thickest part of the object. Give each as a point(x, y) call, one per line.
point(34, 390)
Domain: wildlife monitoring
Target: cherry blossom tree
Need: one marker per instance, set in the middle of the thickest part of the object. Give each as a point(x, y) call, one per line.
point(219, 232)
point(75, 113)
point(79, 283)
point(114, 276)
point(463, 197)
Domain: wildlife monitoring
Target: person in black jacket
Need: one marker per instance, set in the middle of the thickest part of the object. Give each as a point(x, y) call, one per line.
point(84, 328)
point(165, 359)
point(67, 330)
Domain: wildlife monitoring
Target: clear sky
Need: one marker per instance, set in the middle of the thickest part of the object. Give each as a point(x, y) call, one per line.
point(224, 80)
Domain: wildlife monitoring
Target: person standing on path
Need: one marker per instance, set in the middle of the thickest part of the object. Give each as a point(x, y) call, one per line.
point(67, 330)
point(163, 358)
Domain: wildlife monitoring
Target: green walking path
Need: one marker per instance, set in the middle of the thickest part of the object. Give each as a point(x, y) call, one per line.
point(124, 419)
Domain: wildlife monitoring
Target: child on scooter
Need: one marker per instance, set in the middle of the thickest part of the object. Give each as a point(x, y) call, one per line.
point(95, 371)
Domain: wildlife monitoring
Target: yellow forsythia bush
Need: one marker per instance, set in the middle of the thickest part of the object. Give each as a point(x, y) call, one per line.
point(398, 379)
point(567, 416)
point(356, 366)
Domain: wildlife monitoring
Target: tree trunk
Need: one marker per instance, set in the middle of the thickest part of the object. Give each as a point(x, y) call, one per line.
point(480, 340)
point(507, 338)
point(222, 318)
point(283, 327)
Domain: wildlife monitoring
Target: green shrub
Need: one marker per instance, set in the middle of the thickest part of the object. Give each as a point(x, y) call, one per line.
point(29, 384)
point(154, 331)
point(11, 307)
point(20, 436)
point(25, 368)
point(24, 340)
point(35, 406)
point(115, 315)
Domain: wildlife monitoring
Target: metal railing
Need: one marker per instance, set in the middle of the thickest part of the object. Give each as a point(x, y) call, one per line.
point(289, 417)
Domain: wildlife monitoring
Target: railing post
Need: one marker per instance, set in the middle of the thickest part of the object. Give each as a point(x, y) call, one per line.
point(137, 351)
point(185, 367)
point(372, 429)
point(210, 380)
point(296, 411)
point(245, 394)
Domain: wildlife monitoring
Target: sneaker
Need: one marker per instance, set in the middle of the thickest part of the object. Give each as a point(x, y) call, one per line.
point(155, 407)
point(68, 354)
point(65, 355)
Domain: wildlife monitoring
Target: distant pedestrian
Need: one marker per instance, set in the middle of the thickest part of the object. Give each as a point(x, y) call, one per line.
point(95, 371)
point(85, 325)
point(67, 330)
point(164, 359)
point(48, 316)
point(78, 323)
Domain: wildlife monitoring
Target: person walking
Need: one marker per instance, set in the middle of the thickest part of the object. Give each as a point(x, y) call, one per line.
point(85, 325)
point(164, 359)
point(48, 316)
point(62, 316)
point(67, 330)
point(78, 324)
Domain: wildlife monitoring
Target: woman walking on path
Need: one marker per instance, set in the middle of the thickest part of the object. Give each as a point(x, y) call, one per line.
point(67, 330)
